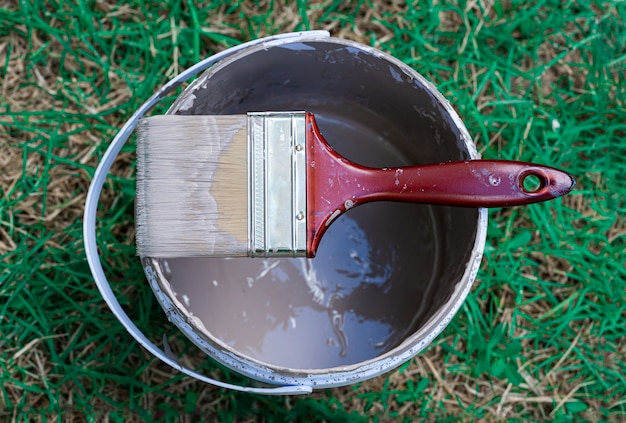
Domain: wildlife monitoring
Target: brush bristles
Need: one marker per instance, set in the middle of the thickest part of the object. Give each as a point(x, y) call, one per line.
point(192, 186)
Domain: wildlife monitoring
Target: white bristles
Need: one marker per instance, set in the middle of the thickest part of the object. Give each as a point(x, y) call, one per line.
point(192, 187)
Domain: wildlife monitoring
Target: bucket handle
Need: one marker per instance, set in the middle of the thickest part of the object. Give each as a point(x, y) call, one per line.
point(93, 197)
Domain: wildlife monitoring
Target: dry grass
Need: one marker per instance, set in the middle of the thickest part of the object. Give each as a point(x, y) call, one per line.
point(551, 290)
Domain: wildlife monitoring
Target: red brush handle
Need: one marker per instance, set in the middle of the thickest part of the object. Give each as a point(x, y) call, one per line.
point(335, 184)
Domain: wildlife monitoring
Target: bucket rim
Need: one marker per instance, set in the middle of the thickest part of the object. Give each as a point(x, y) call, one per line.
point(339, 375)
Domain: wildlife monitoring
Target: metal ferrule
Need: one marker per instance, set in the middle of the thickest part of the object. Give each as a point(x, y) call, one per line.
point(276, 184)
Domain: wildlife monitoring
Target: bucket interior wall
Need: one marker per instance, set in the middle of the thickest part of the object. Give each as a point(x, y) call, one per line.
point(382, 269)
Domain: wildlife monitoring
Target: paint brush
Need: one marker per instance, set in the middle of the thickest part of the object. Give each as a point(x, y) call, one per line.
point(268, 184)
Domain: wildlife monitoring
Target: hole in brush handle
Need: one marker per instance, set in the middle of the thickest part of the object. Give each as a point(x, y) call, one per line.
point(533, 182)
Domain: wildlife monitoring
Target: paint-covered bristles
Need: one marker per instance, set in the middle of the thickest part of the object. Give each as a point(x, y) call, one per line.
point(192, 189)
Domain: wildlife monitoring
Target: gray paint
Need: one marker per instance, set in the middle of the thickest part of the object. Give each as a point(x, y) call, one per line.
point(392, 275)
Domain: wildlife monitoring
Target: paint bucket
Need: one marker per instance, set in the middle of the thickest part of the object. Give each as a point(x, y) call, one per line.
point(387, 277)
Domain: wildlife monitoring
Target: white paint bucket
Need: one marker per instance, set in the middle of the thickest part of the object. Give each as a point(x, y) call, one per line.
point(387, 278)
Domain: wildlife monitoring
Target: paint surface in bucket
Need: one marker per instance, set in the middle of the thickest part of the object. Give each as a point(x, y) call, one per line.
point(383, 269)
point(357, 299)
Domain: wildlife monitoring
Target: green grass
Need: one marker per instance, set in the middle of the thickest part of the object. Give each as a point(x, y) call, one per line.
point(540, 337)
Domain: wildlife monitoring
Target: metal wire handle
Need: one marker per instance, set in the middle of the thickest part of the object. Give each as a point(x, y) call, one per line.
point(93, 197)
